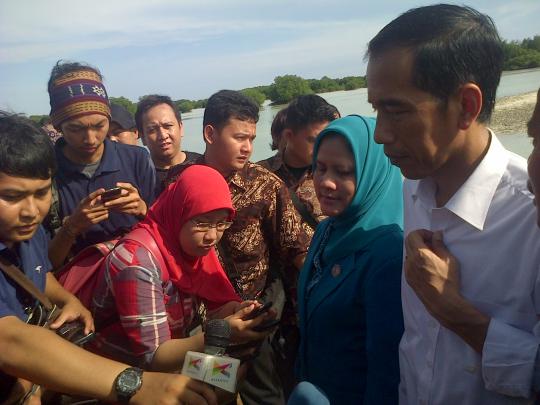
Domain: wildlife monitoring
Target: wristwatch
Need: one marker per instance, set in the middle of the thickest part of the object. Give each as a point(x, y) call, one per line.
point(127, 383)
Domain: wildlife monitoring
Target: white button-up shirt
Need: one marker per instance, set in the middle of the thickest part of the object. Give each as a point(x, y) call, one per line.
point(490, 226)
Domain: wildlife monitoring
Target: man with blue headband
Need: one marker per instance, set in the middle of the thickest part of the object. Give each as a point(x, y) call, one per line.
point(89, 164)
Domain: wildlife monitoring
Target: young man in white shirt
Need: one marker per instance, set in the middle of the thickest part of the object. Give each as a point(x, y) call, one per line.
point(432, 77)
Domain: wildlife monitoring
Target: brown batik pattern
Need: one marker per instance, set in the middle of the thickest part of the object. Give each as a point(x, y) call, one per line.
point(267, 230)
point(304, 188)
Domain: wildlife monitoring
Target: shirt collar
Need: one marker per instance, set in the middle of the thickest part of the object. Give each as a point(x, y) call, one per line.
point(238, 178)
point(276, 162)
point(10, 254)
point(472, 200)
point(110, 161)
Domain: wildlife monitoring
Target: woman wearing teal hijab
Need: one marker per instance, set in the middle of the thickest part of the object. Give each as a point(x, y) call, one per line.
point(349, 289)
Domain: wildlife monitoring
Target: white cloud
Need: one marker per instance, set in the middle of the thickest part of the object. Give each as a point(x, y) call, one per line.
point(210, 44)
point(19, 44)
point(35, 29)
point(337, 49)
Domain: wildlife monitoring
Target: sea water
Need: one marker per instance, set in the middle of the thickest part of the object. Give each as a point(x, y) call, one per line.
point(355, 102)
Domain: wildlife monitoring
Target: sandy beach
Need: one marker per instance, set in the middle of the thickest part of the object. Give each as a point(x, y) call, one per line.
point(512, 113)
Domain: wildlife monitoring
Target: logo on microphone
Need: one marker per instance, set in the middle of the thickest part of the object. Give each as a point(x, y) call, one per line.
point(195, 363)
point(221, 369)
point(215, 370)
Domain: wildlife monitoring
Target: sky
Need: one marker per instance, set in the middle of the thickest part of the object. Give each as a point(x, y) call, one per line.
point(192, 48)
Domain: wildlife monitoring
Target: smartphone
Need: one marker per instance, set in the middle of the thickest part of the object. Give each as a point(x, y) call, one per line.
point(111, 194)
point(258, 311)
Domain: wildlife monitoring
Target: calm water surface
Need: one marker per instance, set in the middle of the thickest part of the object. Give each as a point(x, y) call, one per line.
point(355, 102)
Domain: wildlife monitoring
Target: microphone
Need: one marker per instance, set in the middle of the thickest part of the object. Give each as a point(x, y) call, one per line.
point(217, 337)
point(212, 366)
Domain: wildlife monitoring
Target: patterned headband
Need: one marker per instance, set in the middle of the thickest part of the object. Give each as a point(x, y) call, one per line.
point(76, 94)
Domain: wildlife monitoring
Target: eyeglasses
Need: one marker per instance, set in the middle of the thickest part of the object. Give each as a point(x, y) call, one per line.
point(206, 226)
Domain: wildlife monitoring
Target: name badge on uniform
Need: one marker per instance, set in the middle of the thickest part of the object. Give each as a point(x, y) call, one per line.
point(336, 270)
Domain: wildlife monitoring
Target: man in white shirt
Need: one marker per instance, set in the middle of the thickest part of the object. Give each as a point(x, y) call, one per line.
point(471, 333)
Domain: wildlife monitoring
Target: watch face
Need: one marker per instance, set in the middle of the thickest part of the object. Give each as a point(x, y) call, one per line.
point(129, 381)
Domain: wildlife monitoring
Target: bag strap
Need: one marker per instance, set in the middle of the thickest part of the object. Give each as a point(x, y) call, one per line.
point(24, 282)
point(146, 240)
point(303, 210)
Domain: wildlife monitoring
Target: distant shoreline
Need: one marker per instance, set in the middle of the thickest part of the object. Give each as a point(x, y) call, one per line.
point(512, 113)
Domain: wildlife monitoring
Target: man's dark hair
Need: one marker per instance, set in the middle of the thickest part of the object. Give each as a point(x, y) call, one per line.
point(25, 150)
point(307, 110)
point(62, 67)
point(226, 104)
point(452, 45)
point(278, 125)
point(150, 101)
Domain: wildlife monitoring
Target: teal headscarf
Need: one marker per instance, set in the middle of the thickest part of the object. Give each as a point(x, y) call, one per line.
point(377, 201)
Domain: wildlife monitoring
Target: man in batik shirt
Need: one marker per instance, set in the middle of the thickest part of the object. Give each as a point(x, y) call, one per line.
point(266, 243)
point(305, 117)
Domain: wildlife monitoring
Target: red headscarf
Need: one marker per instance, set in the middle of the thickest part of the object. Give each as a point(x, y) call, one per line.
point(198, 190)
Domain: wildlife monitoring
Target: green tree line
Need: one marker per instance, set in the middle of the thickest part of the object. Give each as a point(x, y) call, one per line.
point(523, 54)
point(283, 90)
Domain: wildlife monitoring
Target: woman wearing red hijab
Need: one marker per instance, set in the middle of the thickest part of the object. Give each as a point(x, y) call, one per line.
point(148, 308)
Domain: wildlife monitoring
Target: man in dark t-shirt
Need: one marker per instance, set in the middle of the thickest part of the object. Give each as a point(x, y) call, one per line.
point(299, 124)
point(160, 124)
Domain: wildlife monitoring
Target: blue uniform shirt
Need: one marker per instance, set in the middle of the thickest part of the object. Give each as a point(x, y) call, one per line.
point(119, 163)
point(32, 258)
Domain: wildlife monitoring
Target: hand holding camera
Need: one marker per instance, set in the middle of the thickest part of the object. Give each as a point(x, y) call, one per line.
point(74, 332)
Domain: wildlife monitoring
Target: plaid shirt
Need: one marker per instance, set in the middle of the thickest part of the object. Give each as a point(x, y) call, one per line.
point(137, 307)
